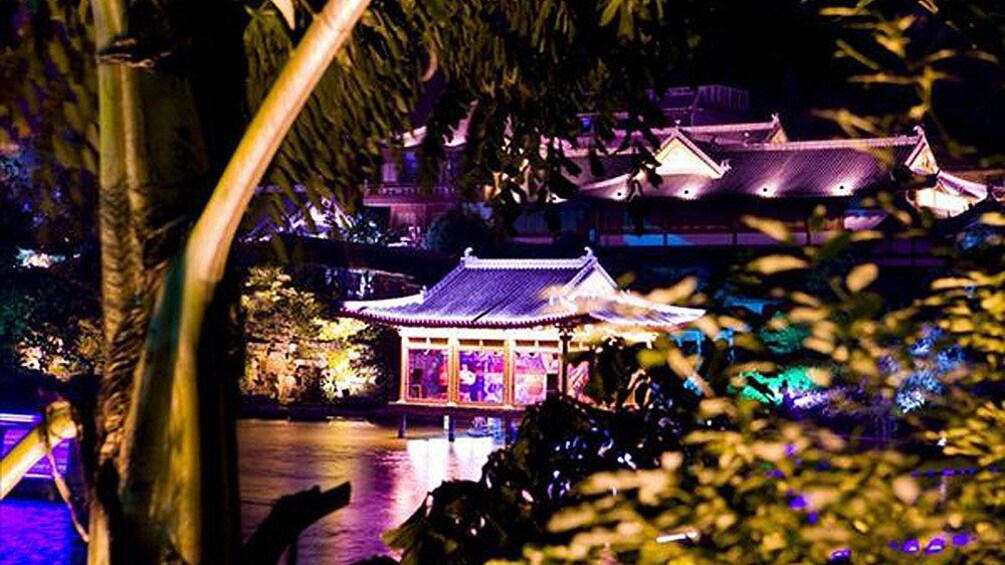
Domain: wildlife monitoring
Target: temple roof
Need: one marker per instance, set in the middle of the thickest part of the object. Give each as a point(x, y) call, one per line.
point(793, 169)
point(519, 293)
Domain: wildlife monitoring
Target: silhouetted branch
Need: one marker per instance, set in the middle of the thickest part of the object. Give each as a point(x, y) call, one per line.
point(290, 516)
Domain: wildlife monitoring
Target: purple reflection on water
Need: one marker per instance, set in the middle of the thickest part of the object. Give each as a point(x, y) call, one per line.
point(390, 477)
point(33, 531)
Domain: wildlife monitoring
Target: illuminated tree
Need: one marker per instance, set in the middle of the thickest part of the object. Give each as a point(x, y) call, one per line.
point(286, 326)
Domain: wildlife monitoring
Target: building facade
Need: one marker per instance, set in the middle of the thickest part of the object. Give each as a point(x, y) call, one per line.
point(492, 333)
point(716, 165)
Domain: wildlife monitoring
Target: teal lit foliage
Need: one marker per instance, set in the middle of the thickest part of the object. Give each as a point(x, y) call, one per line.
point(782, 339)
point(785, 340)
point(362, 227)
point(773, 389)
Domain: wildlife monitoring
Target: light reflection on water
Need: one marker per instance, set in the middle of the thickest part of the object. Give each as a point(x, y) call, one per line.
point(34, 531)
point(389, 477)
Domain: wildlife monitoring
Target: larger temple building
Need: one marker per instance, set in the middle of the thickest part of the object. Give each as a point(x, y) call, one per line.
point(715, 167)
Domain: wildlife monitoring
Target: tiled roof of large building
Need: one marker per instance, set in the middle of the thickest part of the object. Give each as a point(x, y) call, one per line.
point(791, 169)
point(514, 293)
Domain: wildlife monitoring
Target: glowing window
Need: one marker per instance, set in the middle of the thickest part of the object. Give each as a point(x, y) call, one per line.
point(531, 372)
point(577, 374)
point(427, 374)
point(480, 376)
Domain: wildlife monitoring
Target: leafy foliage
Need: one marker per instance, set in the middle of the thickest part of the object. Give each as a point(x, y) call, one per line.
point(736, 481)
point(561, 443)
point(47, 324)
point(48, 115)
point(915, 62)
point(457, 230)
point(769, 490)
point(296, 352)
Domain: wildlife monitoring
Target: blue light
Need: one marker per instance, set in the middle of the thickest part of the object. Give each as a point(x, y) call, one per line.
point(841, 554)
point(936, 545)
point(911, 546)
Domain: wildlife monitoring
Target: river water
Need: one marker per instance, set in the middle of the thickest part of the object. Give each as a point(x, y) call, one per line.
point(390, 478)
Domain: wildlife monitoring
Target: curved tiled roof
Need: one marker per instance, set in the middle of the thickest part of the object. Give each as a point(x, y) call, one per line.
point(793, 169)
point(515, 293)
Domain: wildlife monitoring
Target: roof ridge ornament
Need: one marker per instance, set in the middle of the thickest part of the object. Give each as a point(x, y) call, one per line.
point(469, 253)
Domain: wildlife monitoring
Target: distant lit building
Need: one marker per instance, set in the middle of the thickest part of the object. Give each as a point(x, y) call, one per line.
point(716, 166)
point(492, 332)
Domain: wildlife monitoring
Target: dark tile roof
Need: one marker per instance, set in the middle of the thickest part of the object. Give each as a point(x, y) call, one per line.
point(513, 293)
point(791, 169)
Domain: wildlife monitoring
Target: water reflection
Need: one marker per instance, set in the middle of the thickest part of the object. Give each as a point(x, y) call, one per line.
point(390, 477)
point(33, 531)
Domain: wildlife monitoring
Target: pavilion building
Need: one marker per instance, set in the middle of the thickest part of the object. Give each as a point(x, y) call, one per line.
point(492, 333)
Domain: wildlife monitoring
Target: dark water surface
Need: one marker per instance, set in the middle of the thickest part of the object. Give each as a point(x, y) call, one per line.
point(389, 477)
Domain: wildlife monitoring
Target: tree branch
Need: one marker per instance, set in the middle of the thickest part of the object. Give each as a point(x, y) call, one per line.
point(57, 425)
point(209, 243)
point(290, 516)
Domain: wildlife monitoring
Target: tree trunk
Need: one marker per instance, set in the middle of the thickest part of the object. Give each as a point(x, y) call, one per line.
point(147, 477)
point(164, 466)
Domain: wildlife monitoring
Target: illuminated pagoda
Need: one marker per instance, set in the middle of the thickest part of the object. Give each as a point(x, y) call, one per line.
point(492, 332)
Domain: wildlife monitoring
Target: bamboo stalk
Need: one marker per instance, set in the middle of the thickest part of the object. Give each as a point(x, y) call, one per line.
point(166, 482)
point(209, 243)
point(54, 428)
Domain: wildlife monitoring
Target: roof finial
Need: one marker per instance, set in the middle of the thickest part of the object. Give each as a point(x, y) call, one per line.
point(589, 252)
point(469, 253)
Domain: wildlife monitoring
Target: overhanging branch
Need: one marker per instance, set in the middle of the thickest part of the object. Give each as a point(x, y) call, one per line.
point(210, 241)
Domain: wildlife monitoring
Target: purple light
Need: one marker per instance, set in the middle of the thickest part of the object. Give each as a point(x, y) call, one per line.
point(948, 472)
point(13, 418)
point(41, 470)
point(798, 503)
point(961, 539)
point(841, 554)
point(911, 546)
point(936, 545)
point(812, 518)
